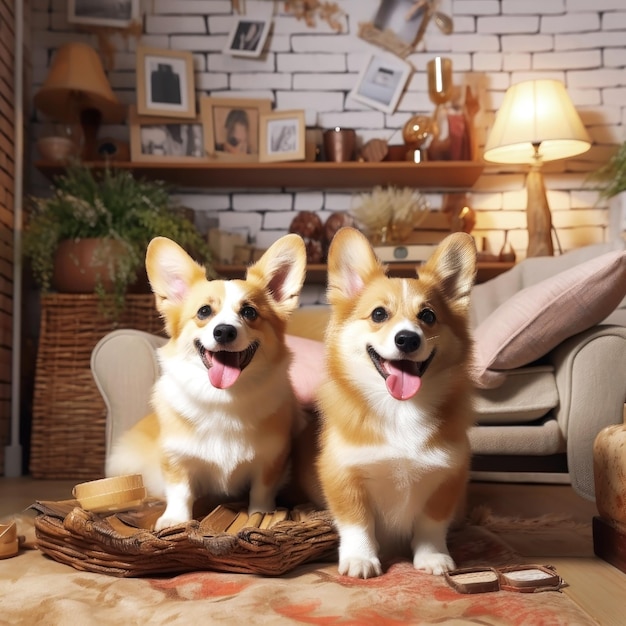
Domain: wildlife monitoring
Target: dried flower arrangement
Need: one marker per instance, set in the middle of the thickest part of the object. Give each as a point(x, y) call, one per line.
point(389, 214)
point(307, 10)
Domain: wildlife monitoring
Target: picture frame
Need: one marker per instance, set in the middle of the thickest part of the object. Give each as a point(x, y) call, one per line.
point(119, 14)
point(381, 82)
point(165, 83)
point(247, 36)
point(231, 127)
point(398, 26)
point(282, 136)
point(165, 139)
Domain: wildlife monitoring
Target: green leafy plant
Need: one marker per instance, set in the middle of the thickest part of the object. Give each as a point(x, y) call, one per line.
point(611, 177)
point(111, 205)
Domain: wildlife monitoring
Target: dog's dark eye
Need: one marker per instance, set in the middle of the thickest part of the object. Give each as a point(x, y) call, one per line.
point(427, 316)
point(249, 313)
point(379, 315)
point(204, 312)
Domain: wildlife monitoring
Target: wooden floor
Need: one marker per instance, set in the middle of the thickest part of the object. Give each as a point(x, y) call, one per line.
point(596, 586)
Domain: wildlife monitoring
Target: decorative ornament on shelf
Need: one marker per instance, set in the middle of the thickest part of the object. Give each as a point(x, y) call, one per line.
point(440, 90)
point(389, 215)
point(416, 132)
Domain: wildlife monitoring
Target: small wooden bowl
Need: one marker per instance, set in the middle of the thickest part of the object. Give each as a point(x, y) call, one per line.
point(9, 541)
point(111, 494)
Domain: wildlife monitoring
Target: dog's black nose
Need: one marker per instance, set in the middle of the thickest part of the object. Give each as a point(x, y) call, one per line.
point(407, 341)
point(225, 333)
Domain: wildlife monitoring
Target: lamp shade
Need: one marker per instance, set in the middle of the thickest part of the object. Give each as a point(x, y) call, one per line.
point(75, 83)
point(536, 113)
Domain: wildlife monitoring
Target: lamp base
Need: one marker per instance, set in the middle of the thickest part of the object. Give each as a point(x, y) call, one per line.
point(90, 120)
point(538, 216)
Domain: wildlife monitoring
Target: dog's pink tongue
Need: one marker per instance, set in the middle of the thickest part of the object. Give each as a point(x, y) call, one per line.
point(402, 383)
point(225, 369)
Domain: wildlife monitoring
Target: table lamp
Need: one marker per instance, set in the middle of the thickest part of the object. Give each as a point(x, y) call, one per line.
point(77, 90)
point(537, 122)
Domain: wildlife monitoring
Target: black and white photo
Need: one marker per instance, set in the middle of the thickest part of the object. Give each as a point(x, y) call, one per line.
point(165, 139)
point(113, 13)
point(165, 83)
point(247, 36)
point(172, 140)
point(282, 136)
point(381, 82)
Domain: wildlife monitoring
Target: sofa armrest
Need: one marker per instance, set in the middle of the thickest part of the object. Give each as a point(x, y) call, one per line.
point(590, 371)
point(125, 367)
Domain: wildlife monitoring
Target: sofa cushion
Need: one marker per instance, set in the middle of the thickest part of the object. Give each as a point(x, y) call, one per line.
point(538, 318)
point(539, 438)
point(527, 394)
point(488, 296)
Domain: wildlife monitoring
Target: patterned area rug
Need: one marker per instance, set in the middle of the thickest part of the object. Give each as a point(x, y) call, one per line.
point(35, 589)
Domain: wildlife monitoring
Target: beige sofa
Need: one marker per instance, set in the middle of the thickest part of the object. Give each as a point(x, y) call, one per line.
point(537, 423)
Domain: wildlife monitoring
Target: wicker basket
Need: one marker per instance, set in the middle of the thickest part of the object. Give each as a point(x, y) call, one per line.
point(69, 415)
point(120, 545)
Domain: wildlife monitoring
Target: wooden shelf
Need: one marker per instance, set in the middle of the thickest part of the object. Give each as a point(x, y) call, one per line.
point(316, 272)
point(439, 175)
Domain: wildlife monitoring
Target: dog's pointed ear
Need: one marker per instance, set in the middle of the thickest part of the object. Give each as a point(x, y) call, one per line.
point(281, 270)
point(171, 271)
point(351, 264)
point(454, 267)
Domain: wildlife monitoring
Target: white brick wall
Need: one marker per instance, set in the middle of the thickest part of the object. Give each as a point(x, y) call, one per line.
point(496, 43)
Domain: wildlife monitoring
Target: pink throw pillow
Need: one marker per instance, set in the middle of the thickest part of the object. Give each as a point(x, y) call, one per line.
point(537, 319)
point(307, 368)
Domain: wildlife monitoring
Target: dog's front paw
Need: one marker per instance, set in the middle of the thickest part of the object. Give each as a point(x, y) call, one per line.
point(359, 567)
point(433, 563)
point(262, 507)
point(167, 521)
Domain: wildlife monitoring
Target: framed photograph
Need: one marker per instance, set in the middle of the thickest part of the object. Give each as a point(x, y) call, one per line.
point(397, 26)
point(163, 139)
point(247, 36)
point(118, 14)
point(165, 84)
point(381, 82)
point(282, 136)
point(231, 127)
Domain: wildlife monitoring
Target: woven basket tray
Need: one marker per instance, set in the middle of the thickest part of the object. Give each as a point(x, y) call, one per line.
point(69, 414)
point(226, 540)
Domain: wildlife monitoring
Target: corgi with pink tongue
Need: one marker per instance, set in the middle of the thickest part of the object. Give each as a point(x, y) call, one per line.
point(224, 408)
point(395, 403)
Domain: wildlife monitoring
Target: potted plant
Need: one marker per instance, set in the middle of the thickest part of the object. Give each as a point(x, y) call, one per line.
point(91, 233)
point(612, 175)
point(610, 180)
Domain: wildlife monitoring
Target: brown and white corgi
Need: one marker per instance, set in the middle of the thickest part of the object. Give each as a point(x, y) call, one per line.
point(224, 408)
point(396, 403)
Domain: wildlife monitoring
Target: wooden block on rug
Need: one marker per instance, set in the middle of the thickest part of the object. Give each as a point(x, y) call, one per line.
point(609, 542)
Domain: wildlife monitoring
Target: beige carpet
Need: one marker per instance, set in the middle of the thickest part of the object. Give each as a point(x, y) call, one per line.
point(35, 589)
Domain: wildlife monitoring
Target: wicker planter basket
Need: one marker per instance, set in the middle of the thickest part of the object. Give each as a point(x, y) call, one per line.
point(69, 415)
point(226, 540)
